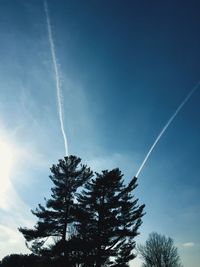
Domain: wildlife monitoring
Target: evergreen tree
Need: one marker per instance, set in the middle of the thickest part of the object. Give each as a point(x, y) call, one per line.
point(55, 219)
point(107, 221)
point(19, 260)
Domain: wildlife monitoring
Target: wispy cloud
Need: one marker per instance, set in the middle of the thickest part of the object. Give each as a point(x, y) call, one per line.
point(14, 211)
point(11, 241)
point(127, 164)
point(188, 244)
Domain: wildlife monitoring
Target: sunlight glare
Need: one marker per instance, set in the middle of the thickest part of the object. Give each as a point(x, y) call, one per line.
point(6, 166)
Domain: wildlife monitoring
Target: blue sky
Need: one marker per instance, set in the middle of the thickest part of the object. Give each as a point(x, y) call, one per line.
point(125, 67)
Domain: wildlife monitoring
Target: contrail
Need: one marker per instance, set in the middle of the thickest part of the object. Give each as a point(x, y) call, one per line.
point(166, 126)
point(57, 76)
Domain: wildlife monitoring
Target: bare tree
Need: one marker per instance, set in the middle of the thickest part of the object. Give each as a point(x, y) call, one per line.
point(159, 251)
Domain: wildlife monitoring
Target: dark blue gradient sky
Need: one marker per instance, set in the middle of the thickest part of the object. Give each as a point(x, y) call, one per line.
point(125, 67)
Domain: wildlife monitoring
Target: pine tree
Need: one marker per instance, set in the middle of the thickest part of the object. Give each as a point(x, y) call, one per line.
point(56, 218)
point(107, 221)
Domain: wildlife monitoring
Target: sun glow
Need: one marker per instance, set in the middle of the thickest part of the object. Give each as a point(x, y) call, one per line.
point(7, 160)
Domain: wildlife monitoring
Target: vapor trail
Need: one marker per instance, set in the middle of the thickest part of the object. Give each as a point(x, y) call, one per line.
point(166, 126)
point(57, 76)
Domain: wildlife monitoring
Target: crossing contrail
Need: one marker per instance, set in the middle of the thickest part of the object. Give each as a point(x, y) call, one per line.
point(57, 77)
point(166, 126)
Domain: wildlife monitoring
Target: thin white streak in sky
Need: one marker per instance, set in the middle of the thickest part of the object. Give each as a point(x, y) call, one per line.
point(57, 77)
point(166, 126)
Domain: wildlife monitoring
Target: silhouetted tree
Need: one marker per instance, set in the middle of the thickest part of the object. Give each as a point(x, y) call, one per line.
point(108, 221)
point(93, 222)
point(55, 219)
point(159, 251)
point(19, 260)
